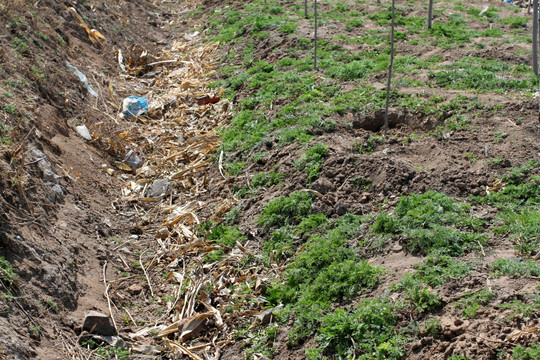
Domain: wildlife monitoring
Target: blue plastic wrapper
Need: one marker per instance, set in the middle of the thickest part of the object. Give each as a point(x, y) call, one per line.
point(82, 78)
point(134, 106)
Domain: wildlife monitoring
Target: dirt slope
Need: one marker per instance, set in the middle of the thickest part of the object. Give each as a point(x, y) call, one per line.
point(300, 231)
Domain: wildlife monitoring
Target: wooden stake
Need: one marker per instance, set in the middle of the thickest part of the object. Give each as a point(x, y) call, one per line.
point(430, 14)
point(315, 58)
point(390, 68)
point(305, 9)
point(535, 38)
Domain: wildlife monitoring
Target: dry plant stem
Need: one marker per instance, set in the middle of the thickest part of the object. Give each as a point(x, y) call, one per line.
point(107, 294)
point(390, 68)
point(430, 14)
point(315, 57)
point(146, 274)
point(535, 38)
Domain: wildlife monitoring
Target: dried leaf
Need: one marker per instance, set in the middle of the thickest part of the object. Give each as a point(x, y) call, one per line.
point(193, 325)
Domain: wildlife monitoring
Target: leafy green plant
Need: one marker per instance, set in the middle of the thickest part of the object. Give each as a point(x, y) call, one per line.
point(285, 210)
point(222, 235)
point(526, 353)
point(10, 108)
point(525, 309)
point(361, 182)
point(369, 146)
point(471, 157)
point(265, 180)
point(7, 272)
point(499, 136)
point(370, 326)
point(432, 223)
point(312, 160)
point(515, 267)
point(433, 327)
point(437, 270)
point(470, 302)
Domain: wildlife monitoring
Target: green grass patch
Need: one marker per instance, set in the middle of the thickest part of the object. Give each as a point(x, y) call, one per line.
point(432, 223)
point(286, 210)
point(369, 328)
point(224, 236)
point(471, 303)
point(516, 267)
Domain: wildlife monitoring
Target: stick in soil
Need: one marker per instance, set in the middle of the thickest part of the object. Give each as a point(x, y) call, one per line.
point(430, 14)
point(535, 38)
point(390, 68)
point(107, 294)
point(305, 9)
point(315, 58)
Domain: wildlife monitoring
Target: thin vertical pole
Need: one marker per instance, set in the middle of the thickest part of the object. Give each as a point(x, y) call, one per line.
point(315, 63)
point(305, 9)
point(430, 14)
point(390, 68)
point(535, 37)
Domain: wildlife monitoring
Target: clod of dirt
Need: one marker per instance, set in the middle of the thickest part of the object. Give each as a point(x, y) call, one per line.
point(322, 185)
point(98, 323)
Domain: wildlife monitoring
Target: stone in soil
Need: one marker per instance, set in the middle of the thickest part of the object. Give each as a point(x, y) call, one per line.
point(98, 323)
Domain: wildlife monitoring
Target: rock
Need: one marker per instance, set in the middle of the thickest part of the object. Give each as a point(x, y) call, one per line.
point(322, 185)
point(58, 190)
point(341, 209)
point(98, 323)
point(159, 187)
point(365, 197)
point(397, 248)
point(50, 176)
point(135, 289)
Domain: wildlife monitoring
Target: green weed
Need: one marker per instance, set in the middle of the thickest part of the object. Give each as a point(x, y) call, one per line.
point(516, 267)
point(370, 328)
point(523, 310)
point(432, 223)
point(312, 160)
point(433, 327)
point(222, 235)
point(266, 180)
point(470, 303)
point(285, 210)
point(526, 353)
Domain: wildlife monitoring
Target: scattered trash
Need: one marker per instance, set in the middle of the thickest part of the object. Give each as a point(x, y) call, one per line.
point(82, 78)
point(134, 106)
point(83, 131)
point(108, 170)
point(484, 9)
point(191, 37)
point(509, 1)
point(121, 60)
point(132, 160)
point(208, 100)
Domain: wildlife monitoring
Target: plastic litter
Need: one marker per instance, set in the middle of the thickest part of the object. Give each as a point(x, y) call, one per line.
point(509, 1)
point(484, 9)
point(82, 78)
point(132, 160)
point(134, 106)
point(191, 37)
point(83, 131)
